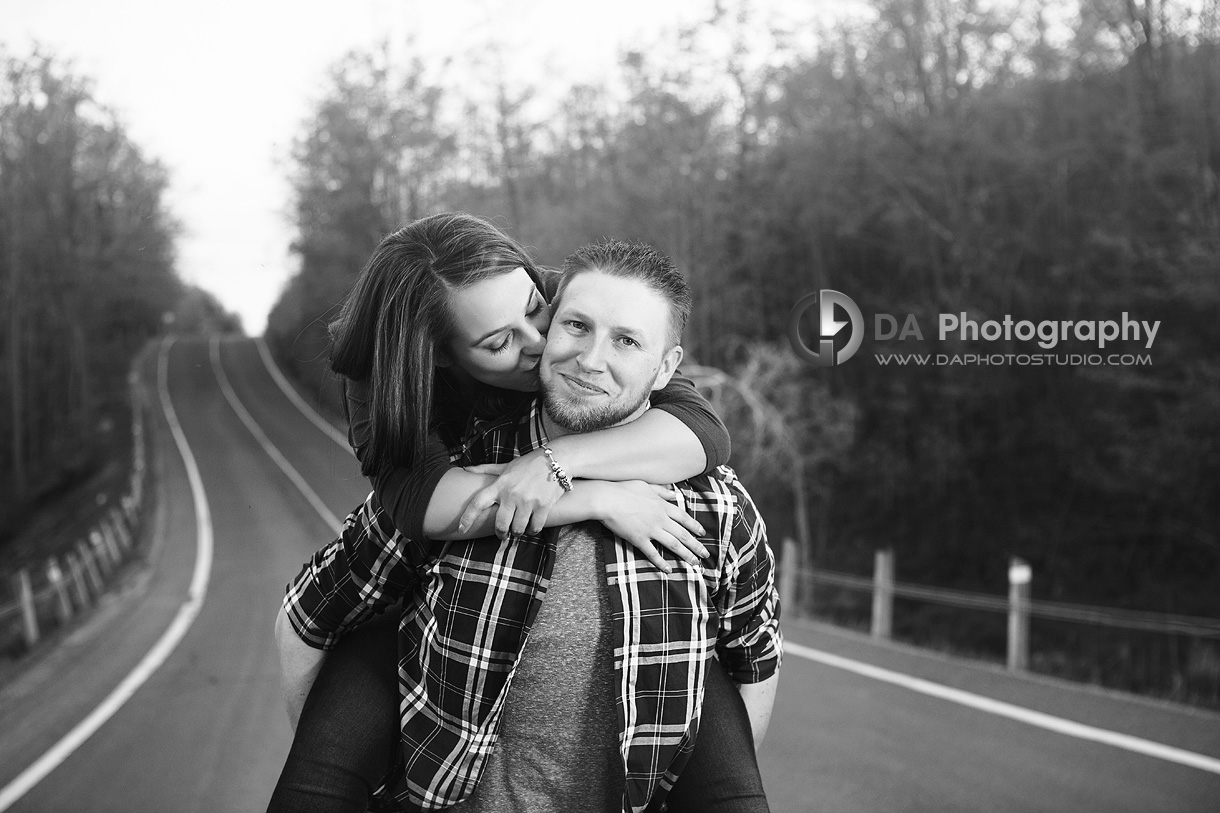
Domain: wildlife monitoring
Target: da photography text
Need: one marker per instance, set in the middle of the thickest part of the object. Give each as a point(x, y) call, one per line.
point(831, 306)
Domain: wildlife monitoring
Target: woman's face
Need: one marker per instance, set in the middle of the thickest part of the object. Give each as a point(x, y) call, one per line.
point(500, 326)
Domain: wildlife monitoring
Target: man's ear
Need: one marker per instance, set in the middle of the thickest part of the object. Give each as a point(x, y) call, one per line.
point(669, 364)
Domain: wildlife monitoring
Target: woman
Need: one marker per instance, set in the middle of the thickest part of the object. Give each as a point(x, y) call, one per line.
point(447, 321)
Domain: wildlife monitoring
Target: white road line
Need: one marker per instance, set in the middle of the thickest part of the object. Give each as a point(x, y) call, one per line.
point(297, 480)
point(172, 636)
point(295, 397)
point(1013, 712)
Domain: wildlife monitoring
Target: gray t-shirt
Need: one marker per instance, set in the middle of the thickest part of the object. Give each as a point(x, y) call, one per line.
point(559, 748)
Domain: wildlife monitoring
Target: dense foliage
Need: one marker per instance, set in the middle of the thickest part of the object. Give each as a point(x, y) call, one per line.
point(944, 157)
point(86, 276)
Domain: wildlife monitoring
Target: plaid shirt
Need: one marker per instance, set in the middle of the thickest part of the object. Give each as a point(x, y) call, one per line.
point(469, 606)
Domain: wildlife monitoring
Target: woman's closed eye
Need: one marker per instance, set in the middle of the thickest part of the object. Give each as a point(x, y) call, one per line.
point(504, 345)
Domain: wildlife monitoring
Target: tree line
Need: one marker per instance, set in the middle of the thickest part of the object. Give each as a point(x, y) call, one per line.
point(86, 278)
point(941, 157)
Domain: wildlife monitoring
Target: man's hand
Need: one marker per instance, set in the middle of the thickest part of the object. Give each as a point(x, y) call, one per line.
point(759, 699)
point(299, 666)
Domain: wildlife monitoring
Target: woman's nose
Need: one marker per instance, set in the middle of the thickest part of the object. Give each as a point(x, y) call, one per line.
point(533, 341)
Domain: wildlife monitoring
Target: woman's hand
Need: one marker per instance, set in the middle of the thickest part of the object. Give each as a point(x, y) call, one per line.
point(524, 491)
point(646, 516)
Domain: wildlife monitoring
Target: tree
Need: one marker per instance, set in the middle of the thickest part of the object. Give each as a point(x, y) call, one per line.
point(86, 271)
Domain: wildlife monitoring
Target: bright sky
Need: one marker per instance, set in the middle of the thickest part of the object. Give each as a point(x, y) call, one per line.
point(217, 91)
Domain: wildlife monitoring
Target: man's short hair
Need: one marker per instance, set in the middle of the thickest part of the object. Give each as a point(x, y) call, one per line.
point(637, 261)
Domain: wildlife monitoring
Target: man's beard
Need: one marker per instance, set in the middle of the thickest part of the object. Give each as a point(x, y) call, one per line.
point(571, 416)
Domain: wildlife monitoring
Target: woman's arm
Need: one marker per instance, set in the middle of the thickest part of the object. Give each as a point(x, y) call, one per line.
point(677, 440)
point(680, 399)
point(640, 513)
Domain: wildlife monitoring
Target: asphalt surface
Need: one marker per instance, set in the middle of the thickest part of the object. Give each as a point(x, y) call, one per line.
point(207, 730)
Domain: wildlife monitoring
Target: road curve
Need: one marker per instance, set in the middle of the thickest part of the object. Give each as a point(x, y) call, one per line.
point(207, 731)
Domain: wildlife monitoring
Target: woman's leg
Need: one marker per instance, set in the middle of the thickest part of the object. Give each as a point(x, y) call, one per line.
point(722, 774)
point(348, 736)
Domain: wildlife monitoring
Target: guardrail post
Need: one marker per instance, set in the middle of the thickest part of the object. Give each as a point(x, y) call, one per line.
point(1019, 576)
point(63, 605)
point(25, 597)
point(76, 572)
point(90, 566)
point(112, 543)
point(100, 553)
point(120, 528)
point(883, 594)
point(787, 575)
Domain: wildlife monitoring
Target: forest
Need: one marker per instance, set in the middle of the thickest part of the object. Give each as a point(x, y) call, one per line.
point(86, 278)
point(977, 159)
point(1039, 161)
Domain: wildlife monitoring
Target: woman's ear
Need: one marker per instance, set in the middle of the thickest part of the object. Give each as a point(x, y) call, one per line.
point(441, 358)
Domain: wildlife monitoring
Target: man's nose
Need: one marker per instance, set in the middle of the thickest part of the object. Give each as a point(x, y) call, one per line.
point(592, 356)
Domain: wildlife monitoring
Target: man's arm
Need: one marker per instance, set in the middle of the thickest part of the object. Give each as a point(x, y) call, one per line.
point(299, 666)
point(759, 699)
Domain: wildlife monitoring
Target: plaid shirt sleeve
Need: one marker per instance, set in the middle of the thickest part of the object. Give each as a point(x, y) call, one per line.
point(749, 642)
point(368, 568)
point(371, 566)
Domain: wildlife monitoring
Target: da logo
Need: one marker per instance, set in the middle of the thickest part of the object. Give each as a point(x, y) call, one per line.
point(828, 327)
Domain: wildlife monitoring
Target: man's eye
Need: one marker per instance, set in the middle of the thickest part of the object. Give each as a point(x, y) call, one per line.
point(628, 341)
point(575, 324)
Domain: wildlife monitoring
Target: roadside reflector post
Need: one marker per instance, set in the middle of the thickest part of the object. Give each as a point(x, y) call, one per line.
point(883, 594)
point(25, 597)
point(63, 605)
point(76, 572)
point(119, 524)
point(110, 540)
point(90, 566)
point(787, 576)
point(1019, 577)
point(100, 554)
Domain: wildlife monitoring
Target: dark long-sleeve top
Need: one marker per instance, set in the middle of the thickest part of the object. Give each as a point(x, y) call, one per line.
point(405, 493)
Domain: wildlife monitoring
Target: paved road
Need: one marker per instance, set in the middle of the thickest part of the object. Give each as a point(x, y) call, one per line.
point(206, 732)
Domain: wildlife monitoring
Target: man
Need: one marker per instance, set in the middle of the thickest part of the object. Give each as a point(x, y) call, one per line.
point(598, 711)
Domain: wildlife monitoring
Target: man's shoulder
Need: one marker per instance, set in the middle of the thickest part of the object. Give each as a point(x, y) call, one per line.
point(497, 439)
point(721, 493)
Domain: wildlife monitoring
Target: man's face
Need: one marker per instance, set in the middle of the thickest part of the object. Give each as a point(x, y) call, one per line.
point(607, 350)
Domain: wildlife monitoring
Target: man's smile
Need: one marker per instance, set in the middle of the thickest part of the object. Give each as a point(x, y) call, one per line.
point(582, 386)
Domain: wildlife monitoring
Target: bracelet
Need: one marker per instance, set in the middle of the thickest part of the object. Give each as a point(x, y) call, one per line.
point(557, 472)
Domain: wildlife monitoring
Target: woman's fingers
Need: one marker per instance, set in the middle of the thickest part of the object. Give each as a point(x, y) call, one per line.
point(651, 553)
point(678, 513)
point(504, 519)
point(678, 542)
point(538, 520)
point(522, 518)
point(481, 502)
point(689, 529)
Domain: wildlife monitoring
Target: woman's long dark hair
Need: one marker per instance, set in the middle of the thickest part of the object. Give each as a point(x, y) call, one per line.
point(397, 316)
